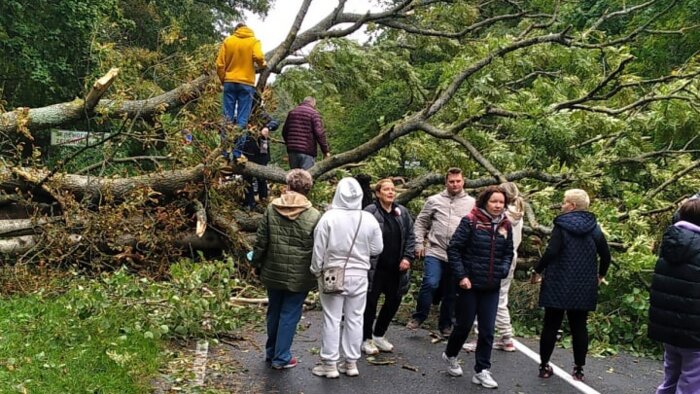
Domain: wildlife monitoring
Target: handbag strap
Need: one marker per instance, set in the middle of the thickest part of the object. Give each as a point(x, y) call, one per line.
point(352, 245)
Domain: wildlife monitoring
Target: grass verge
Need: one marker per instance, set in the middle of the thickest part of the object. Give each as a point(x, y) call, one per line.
point(110, 334)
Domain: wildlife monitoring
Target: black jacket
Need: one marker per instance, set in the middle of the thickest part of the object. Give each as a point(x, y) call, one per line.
point(480, 251)
point(674, 312)
point(570, 263)
point(408, 242)
point(254, 143)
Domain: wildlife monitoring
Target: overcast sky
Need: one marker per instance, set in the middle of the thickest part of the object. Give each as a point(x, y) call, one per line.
point(273, 29)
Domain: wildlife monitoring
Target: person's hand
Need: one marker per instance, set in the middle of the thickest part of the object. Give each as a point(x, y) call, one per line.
point(601, 280)
point(404, 265)
point(265, 132)
point(465, 283)
point(327, 155)
point(420, 253)
point(535, 278)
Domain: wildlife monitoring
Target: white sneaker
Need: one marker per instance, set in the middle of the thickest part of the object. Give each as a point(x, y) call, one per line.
point(382, 344)
point(469, 347)
point(484, 378)
point(369, 348)
point(326, 370)
point(349, 368)
point(453, 367)
point(504, 343)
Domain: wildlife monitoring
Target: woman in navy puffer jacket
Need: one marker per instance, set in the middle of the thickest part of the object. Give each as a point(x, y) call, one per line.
point(479, 253)
point(572, 273)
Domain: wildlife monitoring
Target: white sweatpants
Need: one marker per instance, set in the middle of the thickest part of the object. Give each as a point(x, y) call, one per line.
point(350, 303)
point(503, 325)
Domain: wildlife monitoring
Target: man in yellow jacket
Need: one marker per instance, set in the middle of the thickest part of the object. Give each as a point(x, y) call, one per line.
point(236, 70)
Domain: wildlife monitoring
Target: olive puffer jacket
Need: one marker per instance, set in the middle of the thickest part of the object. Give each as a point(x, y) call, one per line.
point(284, 244)
point(481, 250)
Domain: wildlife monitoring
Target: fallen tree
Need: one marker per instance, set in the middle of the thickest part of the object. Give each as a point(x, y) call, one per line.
point(483, 111)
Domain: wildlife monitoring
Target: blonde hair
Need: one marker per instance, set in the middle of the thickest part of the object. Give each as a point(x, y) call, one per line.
point(578, 197)
point(378, 185)
point(514, 196)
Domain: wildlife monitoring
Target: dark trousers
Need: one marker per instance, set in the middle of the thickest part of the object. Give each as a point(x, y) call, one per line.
point(261, 159)
point(579, 333)
point(483, 304)
point(386, 283)
point(250, 191)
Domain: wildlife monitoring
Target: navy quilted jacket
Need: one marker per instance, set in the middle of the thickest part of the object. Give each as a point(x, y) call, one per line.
point(303, 129)
point(674, 312)
point(570, 263)
point(481, 250)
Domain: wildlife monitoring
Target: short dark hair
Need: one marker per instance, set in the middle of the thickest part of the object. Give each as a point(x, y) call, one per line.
point(453, 171)
point(485, 195)
point(690, 211)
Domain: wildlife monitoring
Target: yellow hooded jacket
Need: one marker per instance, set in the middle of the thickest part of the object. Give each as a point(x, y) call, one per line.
point(236, 56)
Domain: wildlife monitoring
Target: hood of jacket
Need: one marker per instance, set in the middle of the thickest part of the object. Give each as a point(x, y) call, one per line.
point(291, 204)
point(244, 32)
point(348, 195)
point(681, 243)
point(514, 215)
point(577, 222)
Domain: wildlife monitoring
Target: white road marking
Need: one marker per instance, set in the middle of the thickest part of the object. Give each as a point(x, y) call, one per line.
point(199, 366)
point(582, 387)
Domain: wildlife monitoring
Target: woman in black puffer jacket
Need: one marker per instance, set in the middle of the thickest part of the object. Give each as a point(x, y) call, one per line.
point(674, 312)
point(479, 253)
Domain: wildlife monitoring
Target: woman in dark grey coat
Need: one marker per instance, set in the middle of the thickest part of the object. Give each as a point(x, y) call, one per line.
point(571, 278)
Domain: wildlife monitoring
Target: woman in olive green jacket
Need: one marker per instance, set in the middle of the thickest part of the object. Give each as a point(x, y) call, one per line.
point(282, 252)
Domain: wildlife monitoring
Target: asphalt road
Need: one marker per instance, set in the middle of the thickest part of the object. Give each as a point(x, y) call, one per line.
point(415, 366)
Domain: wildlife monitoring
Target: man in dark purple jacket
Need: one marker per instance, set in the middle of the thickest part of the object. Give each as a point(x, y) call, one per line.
point(302, 130)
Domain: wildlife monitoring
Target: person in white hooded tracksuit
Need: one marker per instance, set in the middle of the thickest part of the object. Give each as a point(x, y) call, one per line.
point(333, 246)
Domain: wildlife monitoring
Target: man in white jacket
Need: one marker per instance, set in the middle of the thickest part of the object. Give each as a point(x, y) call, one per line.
point(433, 229)
point(333, 247)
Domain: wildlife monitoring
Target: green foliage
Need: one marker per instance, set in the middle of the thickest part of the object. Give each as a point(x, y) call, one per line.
point(108, 334)
point(45, 48)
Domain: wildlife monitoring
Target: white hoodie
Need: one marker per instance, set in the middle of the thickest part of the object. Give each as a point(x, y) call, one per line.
point(336, 228)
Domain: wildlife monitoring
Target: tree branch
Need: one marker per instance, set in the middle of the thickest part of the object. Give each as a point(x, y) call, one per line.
point(446, 95)
point(675, 177)
point(31, 120)
point(476, 155)
point(607, 16)
point(631, 36)
point(601, 85)
point(133, 159)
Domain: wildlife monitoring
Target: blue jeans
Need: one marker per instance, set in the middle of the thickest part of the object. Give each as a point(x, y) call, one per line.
point(436, 274)
point(483, 304)
point(238, 102)
point(301, 160)
point(283, 314)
